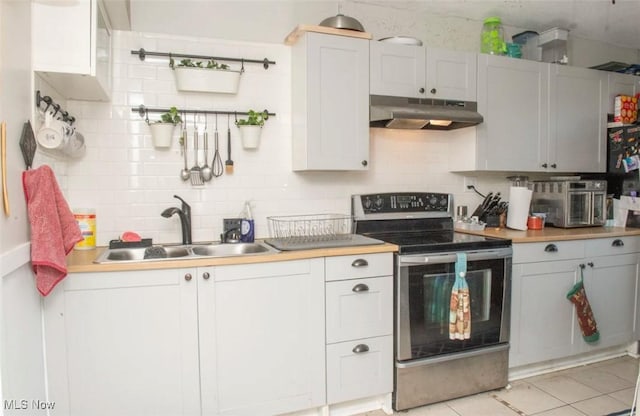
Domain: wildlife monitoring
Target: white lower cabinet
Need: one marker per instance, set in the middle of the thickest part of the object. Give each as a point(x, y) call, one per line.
point(359, 324)
point(123, 343)
point(544, 324)
point(357, 369)
point(252, 339)
point(262, 338)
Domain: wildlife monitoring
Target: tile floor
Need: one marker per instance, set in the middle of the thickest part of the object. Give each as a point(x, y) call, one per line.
point(594, 390)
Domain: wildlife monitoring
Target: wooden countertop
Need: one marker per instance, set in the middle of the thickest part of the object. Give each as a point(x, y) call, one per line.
point(79, 261)
point(554, 234)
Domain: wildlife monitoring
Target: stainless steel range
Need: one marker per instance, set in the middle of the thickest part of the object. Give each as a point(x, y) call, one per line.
point(452, 297)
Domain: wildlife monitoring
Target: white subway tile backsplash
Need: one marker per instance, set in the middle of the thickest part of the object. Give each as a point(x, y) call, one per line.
point(129, 182)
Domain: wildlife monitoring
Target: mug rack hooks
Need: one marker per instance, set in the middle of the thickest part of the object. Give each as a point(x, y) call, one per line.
point(64, 115)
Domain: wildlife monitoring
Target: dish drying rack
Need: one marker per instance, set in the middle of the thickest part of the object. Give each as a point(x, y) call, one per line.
point(298, 232)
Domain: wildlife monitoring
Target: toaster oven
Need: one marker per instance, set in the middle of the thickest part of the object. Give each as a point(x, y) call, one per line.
point(571, 203)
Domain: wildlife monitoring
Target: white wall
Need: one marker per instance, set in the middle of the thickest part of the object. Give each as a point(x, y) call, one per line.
point(129, 182)
point(21, 361)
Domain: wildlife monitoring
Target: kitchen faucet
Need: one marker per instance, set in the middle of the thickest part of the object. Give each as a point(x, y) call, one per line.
point(185, 219)
point(225, 236)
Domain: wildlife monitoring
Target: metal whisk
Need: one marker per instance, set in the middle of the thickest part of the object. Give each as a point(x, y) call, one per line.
point(217, 166)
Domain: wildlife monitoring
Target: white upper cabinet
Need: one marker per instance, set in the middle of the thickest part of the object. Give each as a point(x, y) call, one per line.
point(512, 98)
point(577, 119)
point(538, 117)
point(419, 72)
point(330, 102)
point(72, 48)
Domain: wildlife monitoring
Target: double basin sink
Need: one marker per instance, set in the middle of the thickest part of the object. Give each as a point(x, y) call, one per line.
point(183, 252)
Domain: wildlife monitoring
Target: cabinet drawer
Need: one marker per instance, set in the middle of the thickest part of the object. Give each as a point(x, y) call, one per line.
point(358, 266)
point(548, 251)
point(359, 308)
point(361, 368)
point(611, 246)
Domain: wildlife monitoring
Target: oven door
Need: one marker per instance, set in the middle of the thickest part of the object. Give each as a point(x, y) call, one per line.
point(423, 296)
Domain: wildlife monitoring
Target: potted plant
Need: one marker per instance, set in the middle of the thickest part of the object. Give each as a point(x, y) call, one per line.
point(251, 128)
point(162, 130)
point(205, 77)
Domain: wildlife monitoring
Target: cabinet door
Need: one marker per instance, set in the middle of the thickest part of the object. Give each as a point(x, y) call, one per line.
point(512, 98)
point(359, 308)
point(330, 103)
point(542, 324)
point(397, 70)
point(611, 284)
point(262, 338)
point(451, 75)
point(578, 117)
point(123, 343)
point(358, 369)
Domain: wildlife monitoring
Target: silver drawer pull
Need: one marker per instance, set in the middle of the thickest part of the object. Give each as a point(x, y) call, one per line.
point(551, 248)
point(360, 348)
point(617, 243)
point(360, 287)
point(360, 263)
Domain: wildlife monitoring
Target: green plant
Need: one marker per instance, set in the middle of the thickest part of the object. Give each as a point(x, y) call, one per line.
point(253, 119)
point(172, 116)
point(188, 63)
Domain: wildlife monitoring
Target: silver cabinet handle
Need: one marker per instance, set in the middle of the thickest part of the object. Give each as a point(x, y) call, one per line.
point(206, 275)
point(617, 243)
point(551, 248)
point(360, 263)
point(360, 287)
point(360, 348)
point(187, 277)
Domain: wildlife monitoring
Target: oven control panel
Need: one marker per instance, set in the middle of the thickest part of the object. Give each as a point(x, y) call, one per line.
point(402, 202)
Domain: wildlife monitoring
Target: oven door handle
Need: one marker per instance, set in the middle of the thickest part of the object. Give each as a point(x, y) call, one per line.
point(413, 260)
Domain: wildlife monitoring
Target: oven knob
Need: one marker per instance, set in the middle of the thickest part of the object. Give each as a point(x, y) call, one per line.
point(367, 203)
point(443, 202)
point(379, 202)
point(433, 200)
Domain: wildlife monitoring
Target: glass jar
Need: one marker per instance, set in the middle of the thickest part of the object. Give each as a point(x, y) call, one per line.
point(492, 37)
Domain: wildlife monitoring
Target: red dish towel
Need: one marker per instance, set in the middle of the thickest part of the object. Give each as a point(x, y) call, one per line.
point(54, 230)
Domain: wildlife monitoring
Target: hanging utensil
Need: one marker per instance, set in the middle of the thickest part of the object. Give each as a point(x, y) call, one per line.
point(207, 173)
point(185, 174)
point(228, 164)
point(3, 152)
point(196, 172)
point(218, 169)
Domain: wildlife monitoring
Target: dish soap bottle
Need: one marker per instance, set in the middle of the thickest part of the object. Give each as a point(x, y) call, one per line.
point(247, 230)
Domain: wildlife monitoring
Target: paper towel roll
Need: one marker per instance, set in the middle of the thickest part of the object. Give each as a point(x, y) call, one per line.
point(519, 201)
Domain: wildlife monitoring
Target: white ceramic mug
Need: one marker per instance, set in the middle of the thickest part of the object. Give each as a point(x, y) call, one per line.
point(52, 133)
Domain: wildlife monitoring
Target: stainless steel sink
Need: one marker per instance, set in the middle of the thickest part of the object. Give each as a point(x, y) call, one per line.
point(224, 250)
point(194, 251)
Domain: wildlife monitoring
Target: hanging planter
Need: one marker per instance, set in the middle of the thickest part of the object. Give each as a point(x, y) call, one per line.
point(162, 134)
point(250, 136)
point(251, 128)
point(162, 130)
point(212, 77)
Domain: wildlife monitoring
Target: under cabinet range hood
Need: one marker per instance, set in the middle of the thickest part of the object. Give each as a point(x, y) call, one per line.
point(417, 113)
